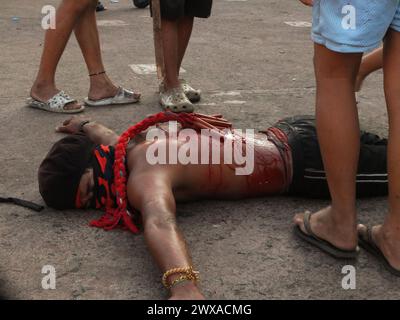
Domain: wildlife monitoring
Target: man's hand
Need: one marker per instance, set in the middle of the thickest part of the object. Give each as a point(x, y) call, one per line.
point(308, 2)
point(72, 125)
point(95, 131)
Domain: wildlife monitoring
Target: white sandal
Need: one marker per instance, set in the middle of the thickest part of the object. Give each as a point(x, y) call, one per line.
point(123, 96)
point(55, 104)
point(194, 95)
point(175, 100)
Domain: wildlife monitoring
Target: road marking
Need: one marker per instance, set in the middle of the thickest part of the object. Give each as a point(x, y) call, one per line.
point(226, 93)
point(235, 102)
point(111, 23)
point(208, 104)
point(145, 69)
point(263, 91)
point(299, 24)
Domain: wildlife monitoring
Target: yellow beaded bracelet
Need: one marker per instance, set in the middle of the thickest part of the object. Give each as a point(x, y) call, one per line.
point(187, 274)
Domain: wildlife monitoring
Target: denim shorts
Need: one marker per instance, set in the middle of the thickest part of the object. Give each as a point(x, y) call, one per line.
point(353, 26)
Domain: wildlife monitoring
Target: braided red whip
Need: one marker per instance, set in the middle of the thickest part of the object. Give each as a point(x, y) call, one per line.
point(114, 216)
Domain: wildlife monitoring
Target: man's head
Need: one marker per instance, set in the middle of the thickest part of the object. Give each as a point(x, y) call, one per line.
point(65, 175)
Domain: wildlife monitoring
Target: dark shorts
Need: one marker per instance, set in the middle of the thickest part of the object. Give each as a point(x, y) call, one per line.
point(309, 179)
point(175, 9)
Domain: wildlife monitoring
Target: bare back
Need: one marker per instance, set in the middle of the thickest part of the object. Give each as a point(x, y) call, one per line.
point(212, 181)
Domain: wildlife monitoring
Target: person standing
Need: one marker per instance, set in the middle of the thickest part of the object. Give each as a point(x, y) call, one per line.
point(177, 24)
point(80, 17)
point(339, 46)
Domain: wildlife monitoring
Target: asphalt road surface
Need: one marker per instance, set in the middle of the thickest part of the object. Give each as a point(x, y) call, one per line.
point(253, 60)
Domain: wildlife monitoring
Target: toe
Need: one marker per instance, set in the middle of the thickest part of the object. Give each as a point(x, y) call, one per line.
point(362, 231)
point(361, 228)
point(72, 106)
point(298, 218)
point(376, 234)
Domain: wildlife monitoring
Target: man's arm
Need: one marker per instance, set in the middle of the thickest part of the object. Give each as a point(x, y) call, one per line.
point(96, 132)
point(151, 193)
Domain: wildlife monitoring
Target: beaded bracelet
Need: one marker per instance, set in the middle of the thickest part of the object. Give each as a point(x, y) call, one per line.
point(187, 274)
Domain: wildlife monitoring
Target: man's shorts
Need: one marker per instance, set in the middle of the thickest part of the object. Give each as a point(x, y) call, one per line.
point(175, 9)
point(354, 26)
point(309, 177)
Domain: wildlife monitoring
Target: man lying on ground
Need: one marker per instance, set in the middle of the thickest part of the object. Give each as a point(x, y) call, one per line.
point(79, 172)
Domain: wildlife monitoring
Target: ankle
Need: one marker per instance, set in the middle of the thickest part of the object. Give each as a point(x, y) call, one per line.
point(100, 83)
point(342, 224)
point(391, 228)
point(171, 84)
point(346, 216)
point(98, 80)
point(40, 85)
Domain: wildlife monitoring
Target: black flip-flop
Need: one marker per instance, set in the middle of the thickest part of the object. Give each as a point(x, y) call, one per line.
point(321, 244)
point(366, 241)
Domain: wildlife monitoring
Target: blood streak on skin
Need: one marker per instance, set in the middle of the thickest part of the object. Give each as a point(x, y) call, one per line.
point(212, 173)
point(269, 171)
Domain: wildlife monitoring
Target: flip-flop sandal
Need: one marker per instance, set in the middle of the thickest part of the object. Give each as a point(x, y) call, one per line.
point(321, 244)
point(366, 241)
point(123, 96)
point(55, 104)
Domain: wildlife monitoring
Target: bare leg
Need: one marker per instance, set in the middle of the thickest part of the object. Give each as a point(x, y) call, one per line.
point(387, 236)
point(339, 138)
point(56, 40)
point(185, 27)
point(369, 64)
point(171, 57)
point(87, 34)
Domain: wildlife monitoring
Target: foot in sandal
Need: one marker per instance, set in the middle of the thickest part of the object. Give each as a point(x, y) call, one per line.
point(59, 103)
point(383, 243)
point(49, 98)
point(175, 100)
point(194, 95)
point(321, 230)
point(122, 96)
point(103, 92)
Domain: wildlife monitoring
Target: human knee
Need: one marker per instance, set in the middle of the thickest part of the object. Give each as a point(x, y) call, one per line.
point(329, 64)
